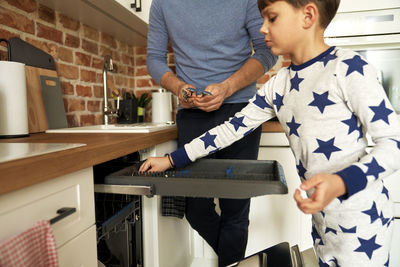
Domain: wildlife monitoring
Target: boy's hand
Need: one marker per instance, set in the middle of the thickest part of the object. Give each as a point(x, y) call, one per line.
point(156, 164)
point(327, 187)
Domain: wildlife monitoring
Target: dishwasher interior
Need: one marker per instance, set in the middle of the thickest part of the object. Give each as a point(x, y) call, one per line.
point(118, 220)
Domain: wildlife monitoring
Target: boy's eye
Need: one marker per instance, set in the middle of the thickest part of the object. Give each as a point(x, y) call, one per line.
point(272, 19)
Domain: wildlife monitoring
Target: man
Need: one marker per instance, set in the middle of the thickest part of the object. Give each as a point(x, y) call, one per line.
point(213, 44)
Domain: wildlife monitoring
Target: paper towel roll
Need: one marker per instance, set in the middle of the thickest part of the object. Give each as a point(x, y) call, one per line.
point(161, 107)
point(13, 101)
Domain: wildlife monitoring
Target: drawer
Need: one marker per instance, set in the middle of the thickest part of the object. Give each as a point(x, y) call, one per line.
point(80, 251)
point(20, 210)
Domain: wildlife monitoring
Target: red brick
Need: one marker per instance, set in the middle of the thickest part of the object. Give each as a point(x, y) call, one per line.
point(49, 48)
point(49, 33)
point(72, 41)
point(140, 61)
point(140, 83)
point(94, 106)
point(122, 47)
point(141, 71)
point(98, 91)
point(72, 120)
point(83, 90)
point(75, 104)
point(90, 33)
point(131, 71)
point(97, 63)
point(115, 56)
point(25, 5)
point(65, 54)
point(122, 69)
point(88, 119)
point(140, 51)
point(67, 71)
point(7, 35)
point(67, 88)
point(105, 51)
point(171, 59)
point(121, 80)
point(125, 59)
point(99, 78)
point(82, 59)
point(263, 79)
point(131, 83)
point(16, 21)
point(90, 47)
point(153, 82)
point(47, 14)
point(88, 76)
point(108, 40)
point(3, 55)
point(99, 119)
point(69, 23)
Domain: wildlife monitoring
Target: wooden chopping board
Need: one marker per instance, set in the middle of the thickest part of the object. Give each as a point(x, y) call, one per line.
point(37, 119)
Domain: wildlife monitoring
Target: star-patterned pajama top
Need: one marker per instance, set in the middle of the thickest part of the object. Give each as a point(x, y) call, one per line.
point(326, 107)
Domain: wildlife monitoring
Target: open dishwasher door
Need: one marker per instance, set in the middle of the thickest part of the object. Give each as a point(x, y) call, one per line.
point(221, 178)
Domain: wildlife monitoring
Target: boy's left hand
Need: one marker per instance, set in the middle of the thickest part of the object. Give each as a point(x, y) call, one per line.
point(327, 187)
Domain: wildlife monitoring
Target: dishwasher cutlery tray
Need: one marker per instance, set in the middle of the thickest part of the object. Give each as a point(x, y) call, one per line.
point(222, 178)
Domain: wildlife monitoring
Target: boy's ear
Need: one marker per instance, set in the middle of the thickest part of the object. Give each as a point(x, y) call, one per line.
point(310, 15)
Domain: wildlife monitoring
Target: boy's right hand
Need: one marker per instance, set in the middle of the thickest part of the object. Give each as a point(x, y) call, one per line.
point(155, 164)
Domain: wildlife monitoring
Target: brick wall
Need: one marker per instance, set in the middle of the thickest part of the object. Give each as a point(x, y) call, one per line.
point(78, 51)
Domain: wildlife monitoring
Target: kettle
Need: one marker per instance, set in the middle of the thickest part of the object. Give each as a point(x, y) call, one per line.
point(13, 100)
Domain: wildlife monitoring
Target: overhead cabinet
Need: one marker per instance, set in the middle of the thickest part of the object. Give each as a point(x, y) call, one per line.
point(114, 17)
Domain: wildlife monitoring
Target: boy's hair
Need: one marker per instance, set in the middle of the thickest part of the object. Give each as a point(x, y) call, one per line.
point(327, 8)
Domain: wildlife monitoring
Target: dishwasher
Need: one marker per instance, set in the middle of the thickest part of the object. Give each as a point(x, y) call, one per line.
point(119, 186)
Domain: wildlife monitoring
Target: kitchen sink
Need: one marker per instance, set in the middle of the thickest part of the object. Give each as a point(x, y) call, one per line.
point(144, 127)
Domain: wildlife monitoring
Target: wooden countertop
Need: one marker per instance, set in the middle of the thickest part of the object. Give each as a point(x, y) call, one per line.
point(99, 148)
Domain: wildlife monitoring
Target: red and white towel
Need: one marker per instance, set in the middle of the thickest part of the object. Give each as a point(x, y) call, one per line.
point(35, 247)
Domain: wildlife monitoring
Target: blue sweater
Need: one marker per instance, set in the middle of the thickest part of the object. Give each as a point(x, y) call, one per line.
point(210, 40)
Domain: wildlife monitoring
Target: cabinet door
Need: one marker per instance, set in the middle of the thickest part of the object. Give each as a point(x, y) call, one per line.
point(276, 218)
point(362, 5)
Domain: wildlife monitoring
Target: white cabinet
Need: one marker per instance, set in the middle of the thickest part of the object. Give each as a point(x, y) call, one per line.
point(145, 8)
point(276, 218)
point(166, 240)
point(107, 16)
point(364, 5)
point(20, 210)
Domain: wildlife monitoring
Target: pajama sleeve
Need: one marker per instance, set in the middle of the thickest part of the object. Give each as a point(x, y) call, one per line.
point(365, 96)
point(258, 110)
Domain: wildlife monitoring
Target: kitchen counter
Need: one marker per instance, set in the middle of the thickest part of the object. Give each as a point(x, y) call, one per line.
point(99, 148)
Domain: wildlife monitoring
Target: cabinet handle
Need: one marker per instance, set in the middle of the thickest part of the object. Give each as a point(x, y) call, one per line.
point(63, 212)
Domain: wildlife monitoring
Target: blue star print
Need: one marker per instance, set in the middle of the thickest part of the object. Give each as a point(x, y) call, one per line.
point(322, 264)
point(208, 140)
point(374, 168)
point(278, 101)
point(385, 192)
point(368, 246)
point(398, 142)
point(372, 212)
point(260, 102)
point(328, 229)
point(293, 127)
point(237, 122)
point(321, 101)
point(300, 169)
point(335, 261)
point(351, 230)
point(248, 132)
point(383, 219)
point(326, 148)
point(355, 64)
point(381, 112)
point(328, 58)
point(353, 125)
point(295, 82)
point(386, 263)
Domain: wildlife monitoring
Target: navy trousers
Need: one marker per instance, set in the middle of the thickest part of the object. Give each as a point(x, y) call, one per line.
point(226, 233)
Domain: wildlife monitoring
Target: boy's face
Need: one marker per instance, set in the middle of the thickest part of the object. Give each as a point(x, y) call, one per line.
point(282, 27)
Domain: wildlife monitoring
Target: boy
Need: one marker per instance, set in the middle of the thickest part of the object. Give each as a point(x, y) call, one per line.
point(326, 101)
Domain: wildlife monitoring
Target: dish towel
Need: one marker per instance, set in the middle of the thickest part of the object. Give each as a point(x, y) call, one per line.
point(35, 247)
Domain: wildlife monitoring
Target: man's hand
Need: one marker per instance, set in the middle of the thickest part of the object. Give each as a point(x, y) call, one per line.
point(155, 164)
point(188, 100)
point(208, 103)
point(327, 187)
